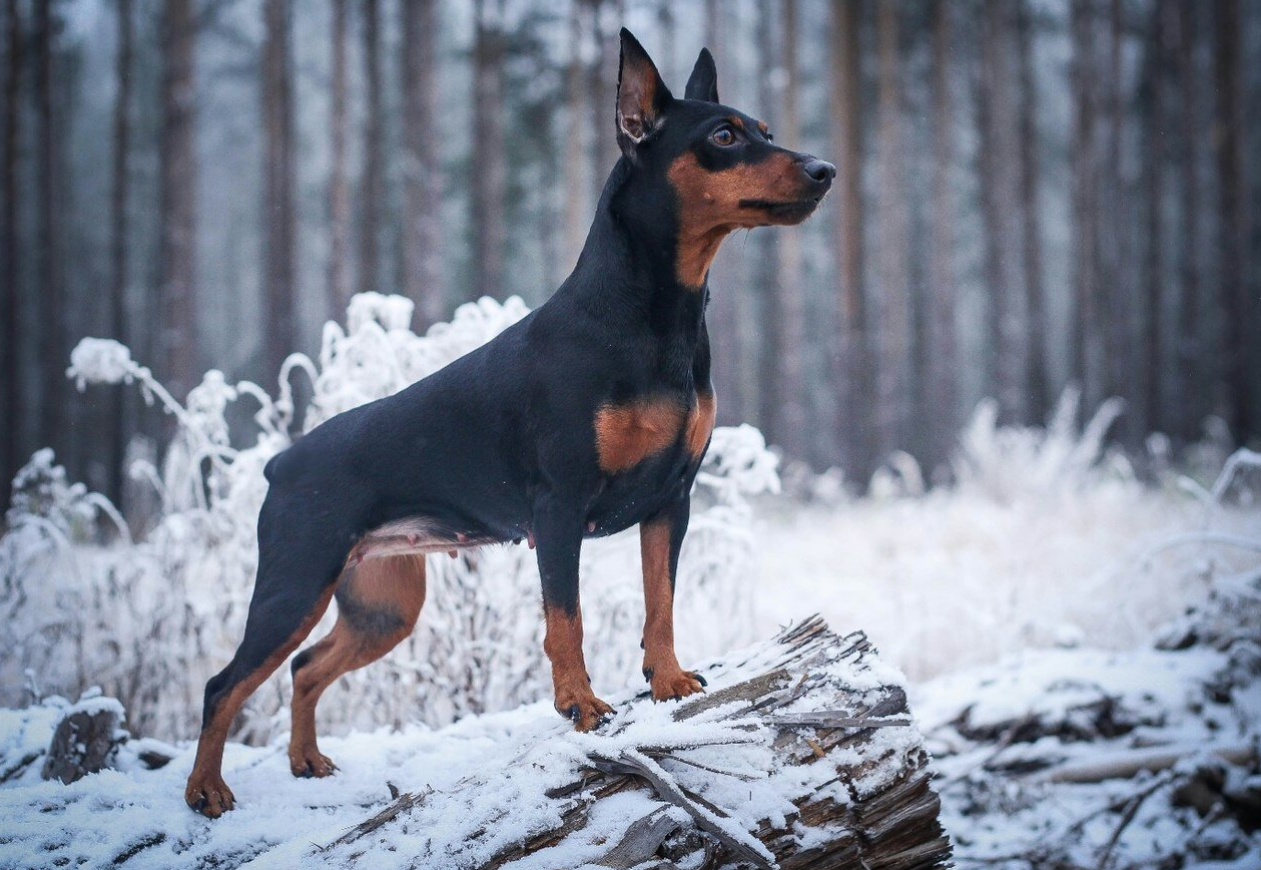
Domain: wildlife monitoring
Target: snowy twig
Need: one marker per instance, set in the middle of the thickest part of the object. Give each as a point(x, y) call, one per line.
point(1136, 800)
point(708, 818)
point(1123, 765)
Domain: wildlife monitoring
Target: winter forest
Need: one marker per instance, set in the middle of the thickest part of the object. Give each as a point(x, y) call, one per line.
point(1031, 194)
point(974, 562)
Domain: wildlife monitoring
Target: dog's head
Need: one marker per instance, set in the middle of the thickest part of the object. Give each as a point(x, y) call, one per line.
point(720, 165)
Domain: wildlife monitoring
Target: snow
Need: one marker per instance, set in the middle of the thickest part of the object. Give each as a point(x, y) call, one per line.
point(1050, 608)
point(520, 756)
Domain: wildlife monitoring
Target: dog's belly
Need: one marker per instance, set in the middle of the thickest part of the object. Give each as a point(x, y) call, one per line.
point(411, 535)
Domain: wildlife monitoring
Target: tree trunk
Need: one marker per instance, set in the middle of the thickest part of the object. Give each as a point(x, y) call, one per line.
point(121, 238)
point(861, 743)
point(1001, 211)
point(1087, 348)
point(1038, 385)
point(11, 288)
point(1190, 309)
point(177, 255)
point(578, 132)
point(856, 363)
point(1157, 120)
point(1115, 222)
point(766, 332)
point(893, 375)
point(941, 388)
point(338, 184)
point(489, 165)
point(280, 332)
point(422, 185)
point(790, 294)
point(372, 187)
point(48, 248)
point(1240, 311)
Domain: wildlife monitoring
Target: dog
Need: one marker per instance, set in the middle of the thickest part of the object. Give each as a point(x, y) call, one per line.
point(590, 415)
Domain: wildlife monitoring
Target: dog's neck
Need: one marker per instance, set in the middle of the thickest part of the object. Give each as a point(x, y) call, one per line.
point(628, 263)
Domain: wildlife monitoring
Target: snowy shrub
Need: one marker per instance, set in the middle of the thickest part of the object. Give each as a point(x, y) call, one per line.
point(151, 620)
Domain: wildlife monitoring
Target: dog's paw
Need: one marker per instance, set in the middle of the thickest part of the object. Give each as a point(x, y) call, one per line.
point(209, 795)
point(310, 763)
point(587, 713)
point(673, 683)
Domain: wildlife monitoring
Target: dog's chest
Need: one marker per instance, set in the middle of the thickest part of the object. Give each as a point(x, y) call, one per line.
point(631, 433)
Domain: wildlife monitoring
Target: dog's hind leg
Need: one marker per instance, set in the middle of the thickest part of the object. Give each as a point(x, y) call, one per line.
point(378, 602)
point(298, 568)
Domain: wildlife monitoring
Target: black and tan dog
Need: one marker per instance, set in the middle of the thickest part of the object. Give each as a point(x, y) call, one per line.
point(588, 416)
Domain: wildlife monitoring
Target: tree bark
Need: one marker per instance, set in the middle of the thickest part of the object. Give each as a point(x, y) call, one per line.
point(48, 248)
point(1240, 311)
point(372, 186)
point(893, 375)
point(280, 332)
point(766, 332)
point(1156, 121)
point(422, 184)
point(941, 388)
point(121, 237)
point(855, 361)
point(789, 295)
point(577, 136)
point(1087, 347)
point(338, 184)
point(1190, 309)
point(1038, 383)
point(177, 255)
point(887, 816)
point(11, 434)
point(1115, 226)
point(1001, 211)
point(489, 167)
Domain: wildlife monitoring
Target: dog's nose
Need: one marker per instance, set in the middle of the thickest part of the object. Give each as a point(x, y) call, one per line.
point(820, 171)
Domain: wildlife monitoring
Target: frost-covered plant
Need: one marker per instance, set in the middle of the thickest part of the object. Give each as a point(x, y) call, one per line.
point(1006, 461)
point(150, 620)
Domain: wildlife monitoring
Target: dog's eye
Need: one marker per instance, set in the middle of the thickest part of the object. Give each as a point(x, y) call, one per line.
point(724, 137)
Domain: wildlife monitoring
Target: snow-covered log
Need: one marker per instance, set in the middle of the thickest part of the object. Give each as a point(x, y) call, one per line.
point(801, 754)
point(85, 739)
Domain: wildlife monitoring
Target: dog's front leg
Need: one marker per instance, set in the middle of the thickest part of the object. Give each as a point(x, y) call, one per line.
point(660, 540)
point(558, 537)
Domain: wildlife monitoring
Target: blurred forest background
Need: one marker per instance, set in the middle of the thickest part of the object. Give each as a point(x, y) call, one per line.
point(1031, 194)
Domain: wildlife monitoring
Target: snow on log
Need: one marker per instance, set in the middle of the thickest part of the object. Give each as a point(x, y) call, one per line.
point(801, 754)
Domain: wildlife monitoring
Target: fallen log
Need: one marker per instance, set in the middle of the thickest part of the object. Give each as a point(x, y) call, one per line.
point(801, 754)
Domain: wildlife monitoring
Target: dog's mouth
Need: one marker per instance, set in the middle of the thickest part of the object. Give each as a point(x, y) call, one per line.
point(784, 211)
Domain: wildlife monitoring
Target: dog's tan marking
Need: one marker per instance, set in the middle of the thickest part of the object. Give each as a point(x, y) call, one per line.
point(710, 205)
point(761, 125)
point(700, 423)
point(570, 682)
point(625, 435)
point(206, 791)
point(379, 601)
point(661, 665)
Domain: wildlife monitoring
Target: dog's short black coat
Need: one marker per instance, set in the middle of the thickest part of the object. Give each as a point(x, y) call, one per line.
point(588, 416)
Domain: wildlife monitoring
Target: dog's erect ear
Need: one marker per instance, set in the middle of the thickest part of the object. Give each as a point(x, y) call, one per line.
point(703, 83)
point(641, 95)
